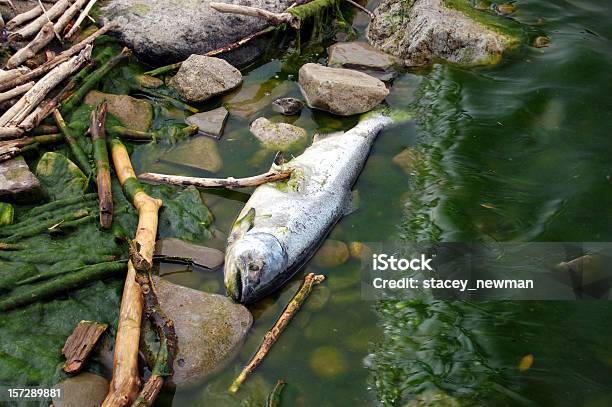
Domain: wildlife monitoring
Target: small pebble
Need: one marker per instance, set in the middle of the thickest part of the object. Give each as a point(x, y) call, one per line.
point(287, 106)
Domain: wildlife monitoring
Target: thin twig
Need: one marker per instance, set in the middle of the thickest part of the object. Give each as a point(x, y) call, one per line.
point(362, 8)
point(230, 182)
point(272, 335)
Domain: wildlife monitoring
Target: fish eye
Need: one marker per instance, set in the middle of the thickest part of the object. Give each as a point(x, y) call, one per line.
point(254, 267)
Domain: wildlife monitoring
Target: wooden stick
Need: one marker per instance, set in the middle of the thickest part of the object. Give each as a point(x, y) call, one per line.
point(272, 335)
point(63, 21)
point(272, 18)
point(19, 90)
point(34, 27)
point(126, 378)
point(44, 37)
point(13, 73)
point(82, 16)
point(103, 179)
point(80, 343)
point(78, 153)
point(28, 102)
point(8, 133)
point(240, 43)
point(362, 8)
point(59, 59)
point(24, 17)
point(230, 182)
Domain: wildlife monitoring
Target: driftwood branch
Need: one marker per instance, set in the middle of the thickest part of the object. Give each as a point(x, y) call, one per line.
point(8, 133)
point(125, 383)
point(229, 182)
point(20, 110)
point(44, 37)
point(34, 27)
point(13, 73)
point(63, 21)
point(19, 90)
point(80, 343)
point(59, 59)
point(362, 8)
point(103, 179)
point(270, 17)
point(272, 335)
point(81, 17)
point(24, 17)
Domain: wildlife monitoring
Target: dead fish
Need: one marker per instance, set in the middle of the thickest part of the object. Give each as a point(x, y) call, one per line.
point(283, 223)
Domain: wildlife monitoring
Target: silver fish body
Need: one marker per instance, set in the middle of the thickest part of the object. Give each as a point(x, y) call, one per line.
point(284, 222)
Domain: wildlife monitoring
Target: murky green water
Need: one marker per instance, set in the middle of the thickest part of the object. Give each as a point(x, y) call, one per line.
point(517, 152)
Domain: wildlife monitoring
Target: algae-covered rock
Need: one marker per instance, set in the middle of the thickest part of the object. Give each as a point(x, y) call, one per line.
point(363, 57)
point(133, 113)
point(16, 180)
point(201, 77)
point(199, 152)
point(60, 177)
point(420, 31)
point(7, 213)
point(327, 362)
point(340, 91)
point(433, 398)
point(210, 327)
point(162, 30)
point(277, 136)
point(332, 253)
point(83, 390)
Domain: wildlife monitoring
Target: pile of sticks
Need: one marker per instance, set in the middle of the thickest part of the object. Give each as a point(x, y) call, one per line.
point(25, 86)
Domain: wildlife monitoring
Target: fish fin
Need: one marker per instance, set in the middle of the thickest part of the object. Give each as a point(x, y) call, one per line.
point(352, 205)
point(242, 225)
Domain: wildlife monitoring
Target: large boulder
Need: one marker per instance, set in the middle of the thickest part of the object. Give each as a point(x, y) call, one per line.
point(209, 327)
point(340, 91)
point(168, 30)
point(133, 113)
point(420, 31)
point(17, 181)
point(201, 77)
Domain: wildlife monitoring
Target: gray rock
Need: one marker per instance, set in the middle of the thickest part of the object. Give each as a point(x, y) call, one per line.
point(210, 123)
point(17, 181)
point(287, 106)
point(201, 255)
point(133, 113)
point(201, 78)
point(363, 57)
point(199, 152)
point(209, 327)
point(340, 91)
point(83, 390)
point(420, 31)
point(174, 29)
point(277, 136)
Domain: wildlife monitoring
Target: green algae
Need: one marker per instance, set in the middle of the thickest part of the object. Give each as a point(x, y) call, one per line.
point(7, 213)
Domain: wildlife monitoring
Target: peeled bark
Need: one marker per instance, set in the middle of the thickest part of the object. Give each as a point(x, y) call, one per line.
point(103, 178)
point(44, 37)
point(126, 379)
point(80, 343)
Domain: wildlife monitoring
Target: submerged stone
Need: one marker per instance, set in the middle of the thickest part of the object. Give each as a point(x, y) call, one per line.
point(198, 152)
point(406, 160)
point(211, 122)
point(363, 57)
point(203, 256)
point(201, 77)
point(332, 253)
point(17, 181)
point(287, 106)
point(133, 113)
point(163, 30)
point(210, 328)
point(83, 390)
point(344, 92)
point(433, 398)
point(277, 136)
point(327, 362)
point(254, 97)
point(421, 31)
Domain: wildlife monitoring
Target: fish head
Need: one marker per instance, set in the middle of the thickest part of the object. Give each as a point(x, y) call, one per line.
point(254, 265)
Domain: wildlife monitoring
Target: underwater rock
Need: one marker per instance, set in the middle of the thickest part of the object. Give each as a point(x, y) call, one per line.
point(327, 362)
point(210, 123)
point(199, 152)
point(209, 327)
point(363, 57)
point(433, 398)
point(420, 31)
point(277, 136)
point(406, 160)
point(164, 30)
point(287, 106)
point(254, 97)
point(133, 113)
point(360, 251)
point(17, 181)
point(201, 78)
point(332, 253)
point(203, 256)
point(344, 92)
point(83, 390)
